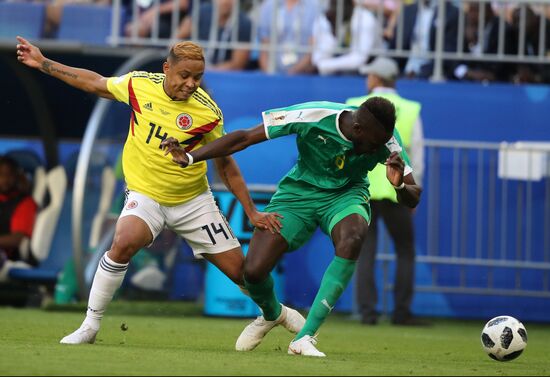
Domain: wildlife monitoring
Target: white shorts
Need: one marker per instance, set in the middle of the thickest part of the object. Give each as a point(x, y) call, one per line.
point(199, 221)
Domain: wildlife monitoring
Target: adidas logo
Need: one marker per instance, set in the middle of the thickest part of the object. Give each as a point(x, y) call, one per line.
point(148, 106)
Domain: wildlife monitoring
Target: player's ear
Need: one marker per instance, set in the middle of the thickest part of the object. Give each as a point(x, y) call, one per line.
point(165, 67)
point(357, 129)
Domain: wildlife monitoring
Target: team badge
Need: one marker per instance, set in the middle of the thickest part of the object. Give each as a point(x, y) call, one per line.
point(184, 121)
point(133, 204)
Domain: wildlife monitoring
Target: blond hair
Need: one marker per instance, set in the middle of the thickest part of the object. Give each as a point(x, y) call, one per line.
point(186, 50)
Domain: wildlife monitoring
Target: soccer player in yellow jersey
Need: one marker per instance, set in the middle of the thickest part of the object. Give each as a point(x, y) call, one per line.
point(161, 193)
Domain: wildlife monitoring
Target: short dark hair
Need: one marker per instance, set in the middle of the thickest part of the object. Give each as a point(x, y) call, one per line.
point(10, 162)
point(186, 50)
point(379, 108)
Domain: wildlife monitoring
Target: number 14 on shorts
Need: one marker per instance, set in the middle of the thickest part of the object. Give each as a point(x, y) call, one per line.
point(214, 231)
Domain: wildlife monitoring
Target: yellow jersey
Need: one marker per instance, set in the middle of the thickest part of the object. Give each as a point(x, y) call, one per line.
point(154, 117)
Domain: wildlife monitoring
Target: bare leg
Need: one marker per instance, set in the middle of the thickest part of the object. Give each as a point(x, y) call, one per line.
point(229, 262)
point(131, 234)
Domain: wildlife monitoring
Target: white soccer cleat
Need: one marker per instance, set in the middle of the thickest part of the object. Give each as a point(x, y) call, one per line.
point(293, 321)
point(85, 334)
point(253, 334)
point(305, 346)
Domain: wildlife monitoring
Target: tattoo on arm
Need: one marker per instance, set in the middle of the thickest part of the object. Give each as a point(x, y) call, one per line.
point(50, 69)
point(46, 66)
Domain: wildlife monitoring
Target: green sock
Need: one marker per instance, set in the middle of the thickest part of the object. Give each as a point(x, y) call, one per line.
point(263, 295)
point(335, 280)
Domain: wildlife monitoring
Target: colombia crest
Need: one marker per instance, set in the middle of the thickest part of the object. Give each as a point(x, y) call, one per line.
point(184, 121)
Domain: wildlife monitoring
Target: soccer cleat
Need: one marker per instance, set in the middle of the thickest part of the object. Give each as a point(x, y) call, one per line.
point(253, 334)
point(305, 346)
point(293, 321)
point(85, 334)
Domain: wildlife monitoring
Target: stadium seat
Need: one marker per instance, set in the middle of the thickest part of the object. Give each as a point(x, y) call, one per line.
point(108, 184)
point(29, 161)
point(50, 263)
point(34, 170)
point(89, 24)
point(21, 18)
point(47, 218)
point(40, 186)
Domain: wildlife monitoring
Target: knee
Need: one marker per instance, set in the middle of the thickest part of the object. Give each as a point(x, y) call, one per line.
point(123, 249)
point(350, 247)
point(254, 272)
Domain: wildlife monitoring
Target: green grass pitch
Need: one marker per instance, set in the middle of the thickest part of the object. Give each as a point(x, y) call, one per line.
point(175, 339)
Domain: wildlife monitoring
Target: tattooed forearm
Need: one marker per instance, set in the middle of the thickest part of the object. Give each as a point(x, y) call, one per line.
point(50, 69)
point(46, 66)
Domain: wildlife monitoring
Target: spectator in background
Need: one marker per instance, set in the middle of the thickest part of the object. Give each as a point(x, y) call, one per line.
point(361, 35)
point(530, 73)
point(54, 13)
point(148, 12)
point(222, 58)
point(382, 74)
point(389, 9)
point(293, 21)
point(419, 37)
point(488, 44)
point(17, 214)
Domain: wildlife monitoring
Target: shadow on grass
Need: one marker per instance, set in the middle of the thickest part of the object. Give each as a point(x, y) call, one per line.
point(157, 308)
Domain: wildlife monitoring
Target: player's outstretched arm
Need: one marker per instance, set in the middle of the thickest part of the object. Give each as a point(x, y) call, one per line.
point(224, 146)
point(82, 79)
point(408, 192)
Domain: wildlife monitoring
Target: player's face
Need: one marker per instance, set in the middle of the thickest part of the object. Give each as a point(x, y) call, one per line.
point(182, 78)
point(368, 139)
point(7, 179)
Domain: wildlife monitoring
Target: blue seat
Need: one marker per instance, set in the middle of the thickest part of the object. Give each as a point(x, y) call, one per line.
point(61, 251)
point(24, 19)
point(89, 24)
point(27, 159)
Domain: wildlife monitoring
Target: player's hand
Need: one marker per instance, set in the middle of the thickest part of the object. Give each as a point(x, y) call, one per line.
point(395, 169)
point(267, 221)
point(29, 54)
point(172, 146)
point(168, 144)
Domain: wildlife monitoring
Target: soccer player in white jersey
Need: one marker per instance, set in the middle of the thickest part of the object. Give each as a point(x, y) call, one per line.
point(327, 188)
point(160, 193)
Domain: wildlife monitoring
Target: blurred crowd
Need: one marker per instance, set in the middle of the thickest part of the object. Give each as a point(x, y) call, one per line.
point(329, 37)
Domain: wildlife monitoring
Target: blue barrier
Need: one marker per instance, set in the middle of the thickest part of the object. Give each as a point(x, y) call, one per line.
point(451, 111)
point(221, 296)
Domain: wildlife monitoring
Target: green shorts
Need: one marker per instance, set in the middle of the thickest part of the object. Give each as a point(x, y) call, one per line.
point(305, 207)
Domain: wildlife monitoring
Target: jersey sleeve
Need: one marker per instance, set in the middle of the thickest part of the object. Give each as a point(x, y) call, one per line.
point(279, 122)
point(396, 145)
point(216, 133)
point(118, 87)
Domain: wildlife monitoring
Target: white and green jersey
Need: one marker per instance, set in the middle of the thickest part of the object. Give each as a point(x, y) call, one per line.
point(326, 157)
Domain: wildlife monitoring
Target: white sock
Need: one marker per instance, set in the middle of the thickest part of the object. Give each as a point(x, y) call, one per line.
point(108, 278)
